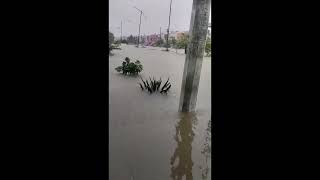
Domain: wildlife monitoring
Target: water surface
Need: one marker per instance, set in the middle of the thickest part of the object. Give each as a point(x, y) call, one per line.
point(148, 137)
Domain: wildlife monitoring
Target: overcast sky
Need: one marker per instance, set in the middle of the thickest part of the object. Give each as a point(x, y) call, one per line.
point(156, 15)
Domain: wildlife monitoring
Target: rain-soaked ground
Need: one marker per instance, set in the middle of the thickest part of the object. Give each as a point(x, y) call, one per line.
point(148, 138)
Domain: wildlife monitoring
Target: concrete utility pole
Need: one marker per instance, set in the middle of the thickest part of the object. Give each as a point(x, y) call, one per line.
point(168, 27)
point(193, 63)
point(139, 25)
point(160, 33)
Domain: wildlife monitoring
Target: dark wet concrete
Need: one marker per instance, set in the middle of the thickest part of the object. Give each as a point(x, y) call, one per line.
point(149, 138)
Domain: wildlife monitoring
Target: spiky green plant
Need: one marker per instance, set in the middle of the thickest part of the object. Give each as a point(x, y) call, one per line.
point(153, 85)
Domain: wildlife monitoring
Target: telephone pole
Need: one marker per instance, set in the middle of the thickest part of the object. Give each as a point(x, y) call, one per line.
point(168, 27)
point(193, 63)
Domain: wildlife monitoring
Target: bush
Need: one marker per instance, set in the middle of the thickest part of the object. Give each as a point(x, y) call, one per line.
point(111, 39)
point(154, 86)
point(130, 67)
point(124, 41)
point(174, 43)
point(118, 42)
point(167, 46)
point(182, 42)
point(159, 43)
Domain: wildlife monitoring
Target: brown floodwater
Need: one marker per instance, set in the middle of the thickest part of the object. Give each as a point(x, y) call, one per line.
point(148, 138)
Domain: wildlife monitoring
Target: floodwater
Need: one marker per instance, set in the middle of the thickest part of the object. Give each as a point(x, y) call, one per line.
point(148, 138)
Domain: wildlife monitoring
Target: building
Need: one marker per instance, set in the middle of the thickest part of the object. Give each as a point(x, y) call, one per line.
point(173, 34)
point(151, 40)
point(180, 35)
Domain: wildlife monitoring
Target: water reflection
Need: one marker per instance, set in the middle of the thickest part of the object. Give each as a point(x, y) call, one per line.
point(181, 161)
point(206, 151)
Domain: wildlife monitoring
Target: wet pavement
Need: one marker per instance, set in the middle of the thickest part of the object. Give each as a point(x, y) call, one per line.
point(148, 138)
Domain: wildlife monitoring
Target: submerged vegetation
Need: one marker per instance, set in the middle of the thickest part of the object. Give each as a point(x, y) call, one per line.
point(131, 68)
point(154, 85)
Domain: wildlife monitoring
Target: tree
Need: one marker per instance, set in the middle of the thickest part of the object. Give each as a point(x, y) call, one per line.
point(131, 39)
point(124, 41)
point(117, 42)
point(174, 43)
point(159, 43)
point(183, 41)
point(111, 40)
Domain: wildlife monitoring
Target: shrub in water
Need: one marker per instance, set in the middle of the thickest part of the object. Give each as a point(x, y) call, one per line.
point(130, 67)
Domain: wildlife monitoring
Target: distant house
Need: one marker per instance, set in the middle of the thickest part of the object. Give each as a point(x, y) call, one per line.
point(173, 34)
point(180, 35)
point(150, 40)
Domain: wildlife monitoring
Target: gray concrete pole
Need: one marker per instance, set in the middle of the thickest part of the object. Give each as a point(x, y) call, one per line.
point(169, 27)
point(121, 34)
point(139, 28)
point(193, 63)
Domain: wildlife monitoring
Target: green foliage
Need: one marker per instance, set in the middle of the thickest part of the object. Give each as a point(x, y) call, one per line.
point(111, 40)
point(183, 41)
point(167, 45)
point(130, 67)
point(132, 40)
point(142, 41)
point(124, 41)
point(117, 42)
point(115, 46)
point(154, 85)
point(174, 42)
point(159, 43)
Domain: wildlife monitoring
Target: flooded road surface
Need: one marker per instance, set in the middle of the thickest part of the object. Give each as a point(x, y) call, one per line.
point(148, 138)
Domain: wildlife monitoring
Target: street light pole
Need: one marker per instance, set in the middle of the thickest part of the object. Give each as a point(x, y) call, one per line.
point(139, 24)
point(168, 27)
point(139, 28)
point(121, 33)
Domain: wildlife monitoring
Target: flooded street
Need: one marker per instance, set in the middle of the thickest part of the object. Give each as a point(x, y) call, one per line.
point(148, 138)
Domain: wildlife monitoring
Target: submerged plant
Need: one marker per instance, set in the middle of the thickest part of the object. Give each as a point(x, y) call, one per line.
point(153, 85)
point(130, 67)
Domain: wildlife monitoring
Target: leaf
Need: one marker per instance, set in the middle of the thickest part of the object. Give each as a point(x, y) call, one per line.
point(147, 84)
point(159, 84)
point(165, 85)
point(127, 60)
point(167, 88)
point(144, 83)
point(141, 86)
